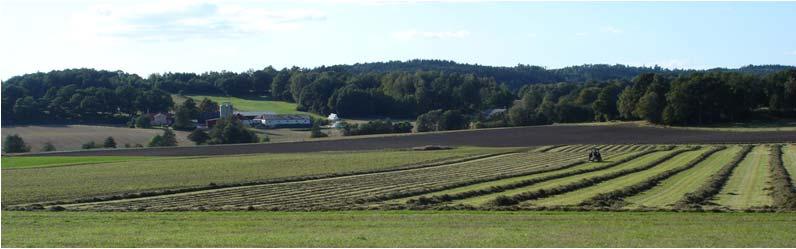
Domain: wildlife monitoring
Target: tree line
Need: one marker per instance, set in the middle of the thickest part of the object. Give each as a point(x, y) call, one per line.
point(410, 89)
point(692, 99)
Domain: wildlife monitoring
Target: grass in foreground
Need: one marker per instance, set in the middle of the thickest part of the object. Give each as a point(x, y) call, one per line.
point(70, 182)
point(397, 229)
point(17, 162)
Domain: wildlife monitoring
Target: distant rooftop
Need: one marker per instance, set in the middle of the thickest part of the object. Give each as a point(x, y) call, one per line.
point(257, 113)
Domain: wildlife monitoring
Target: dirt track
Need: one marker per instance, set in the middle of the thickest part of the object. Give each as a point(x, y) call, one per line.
point(510, 137)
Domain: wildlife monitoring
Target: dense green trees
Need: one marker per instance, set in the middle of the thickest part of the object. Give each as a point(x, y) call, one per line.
point(109, 143)
point(48, 146)
point(14, 144)
point(168, 139)
point(534, 95)
point(229, 131)
point(376, 127)
point(184, 113)
point(198, 136)
point(691, 99)
point(79, 94)
point(439, 120)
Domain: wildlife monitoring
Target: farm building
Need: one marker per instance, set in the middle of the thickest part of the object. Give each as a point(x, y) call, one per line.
point(161, 119)
point(491, 113)
point(225, 110)
point(247, 118)
point(283, 120)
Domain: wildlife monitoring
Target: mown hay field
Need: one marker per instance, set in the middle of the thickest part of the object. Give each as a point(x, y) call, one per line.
point(548, 196)
point(632, 177)
point(45, 184)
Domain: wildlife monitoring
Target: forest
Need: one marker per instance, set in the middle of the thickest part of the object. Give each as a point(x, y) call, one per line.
point(428, 90)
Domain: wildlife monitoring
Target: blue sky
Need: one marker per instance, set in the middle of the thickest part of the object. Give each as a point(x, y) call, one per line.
point(145, 37)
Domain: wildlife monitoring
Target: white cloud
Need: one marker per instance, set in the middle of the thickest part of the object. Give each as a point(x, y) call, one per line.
point(611, 29)
point(791, 52)
point(414, 34)
point(179, 20)
point(582, 34)
point(532, 35)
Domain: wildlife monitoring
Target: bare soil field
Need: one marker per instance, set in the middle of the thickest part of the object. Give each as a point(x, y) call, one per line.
point(500, 137)
point(71, 137)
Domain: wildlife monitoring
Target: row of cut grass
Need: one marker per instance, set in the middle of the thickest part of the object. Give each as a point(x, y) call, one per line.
point(789, 159)
point(484, 199)
point(674, 189)
point(581, 195)
point(746, 187)
point(502, 185)
point(782, 191)
point(514, 180)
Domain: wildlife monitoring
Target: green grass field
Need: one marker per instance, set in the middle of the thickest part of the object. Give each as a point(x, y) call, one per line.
point(747, 185)
point(673, 189)
point(249, 104)
point(397, 229)
point(17, 162)
point(69, 182)
point(38, 179)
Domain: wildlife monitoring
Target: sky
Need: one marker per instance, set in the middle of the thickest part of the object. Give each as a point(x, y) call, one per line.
point(145, 37)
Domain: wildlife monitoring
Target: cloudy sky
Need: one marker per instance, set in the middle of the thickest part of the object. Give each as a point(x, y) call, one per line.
point(145, 37)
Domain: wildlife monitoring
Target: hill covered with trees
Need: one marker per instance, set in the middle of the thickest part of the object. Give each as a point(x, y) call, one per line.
point(408, 89)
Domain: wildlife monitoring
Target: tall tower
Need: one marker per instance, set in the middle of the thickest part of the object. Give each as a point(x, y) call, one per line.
point(225, 110)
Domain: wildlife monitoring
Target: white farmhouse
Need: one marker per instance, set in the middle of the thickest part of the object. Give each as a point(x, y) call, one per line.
point(333, 118)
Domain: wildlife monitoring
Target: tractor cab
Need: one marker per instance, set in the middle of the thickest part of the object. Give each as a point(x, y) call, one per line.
point(595, 156)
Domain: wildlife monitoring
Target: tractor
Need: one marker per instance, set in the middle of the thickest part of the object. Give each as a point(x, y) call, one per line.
point(595, 156)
